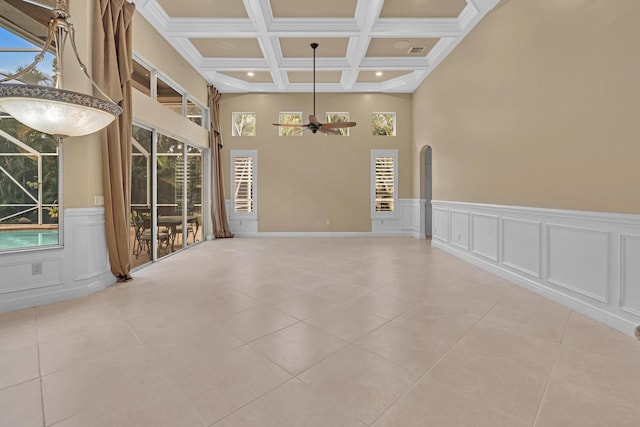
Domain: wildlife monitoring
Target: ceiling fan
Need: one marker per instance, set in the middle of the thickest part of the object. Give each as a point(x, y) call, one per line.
point(313, 125)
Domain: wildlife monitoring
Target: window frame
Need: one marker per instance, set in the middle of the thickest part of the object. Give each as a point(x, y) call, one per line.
point(281, 128)
point(375, 154)
point(253, 154)
point(395, 122)
point(341, 113)
point(233, 123)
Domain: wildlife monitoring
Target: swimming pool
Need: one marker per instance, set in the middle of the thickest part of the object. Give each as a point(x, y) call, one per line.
point(27, 238)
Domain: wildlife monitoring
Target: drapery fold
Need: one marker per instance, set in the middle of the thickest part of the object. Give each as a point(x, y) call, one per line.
point(112, 68)
point(221, 228)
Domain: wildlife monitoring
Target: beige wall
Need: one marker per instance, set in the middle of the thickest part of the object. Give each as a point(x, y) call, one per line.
point(82, 171)
point(303, 182)
point(149, 45)
point(538, 106)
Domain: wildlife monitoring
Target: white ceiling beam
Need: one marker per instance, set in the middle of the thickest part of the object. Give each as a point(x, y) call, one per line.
point(210, 27)
point(416, 27)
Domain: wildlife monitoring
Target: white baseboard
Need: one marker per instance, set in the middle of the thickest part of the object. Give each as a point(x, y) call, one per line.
point(586, 261)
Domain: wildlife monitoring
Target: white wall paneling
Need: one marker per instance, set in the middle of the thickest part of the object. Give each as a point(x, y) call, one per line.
point(440, 224)
point(578, 259)
point(521, 245)
point(484, 235)
point(630, 273)
point(78, 268)
point(587, 261)
point(460, 229)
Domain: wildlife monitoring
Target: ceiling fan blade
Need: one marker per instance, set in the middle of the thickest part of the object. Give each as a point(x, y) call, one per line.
point(313, 120)
point(329, 131)
point(293, 125)
point(338, 125)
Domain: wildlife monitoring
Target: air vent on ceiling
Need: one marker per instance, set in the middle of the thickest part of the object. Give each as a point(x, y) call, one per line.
point(416, 50)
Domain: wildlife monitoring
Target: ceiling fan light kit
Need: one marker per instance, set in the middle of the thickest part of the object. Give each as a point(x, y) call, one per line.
point(314, 125)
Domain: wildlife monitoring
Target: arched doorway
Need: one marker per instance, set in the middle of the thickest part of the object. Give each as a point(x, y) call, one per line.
point(427, 174)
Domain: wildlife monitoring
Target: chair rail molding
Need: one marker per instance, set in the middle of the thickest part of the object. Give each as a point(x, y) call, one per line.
point(586, 261)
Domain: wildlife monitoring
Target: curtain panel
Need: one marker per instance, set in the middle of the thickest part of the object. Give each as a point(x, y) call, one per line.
point(221, 228)
point(112, 68)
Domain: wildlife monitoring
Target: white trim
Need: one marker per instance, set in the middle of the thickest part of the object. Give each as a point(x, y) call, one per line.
point(247, 216)
point(603, 298)
point(384, 215)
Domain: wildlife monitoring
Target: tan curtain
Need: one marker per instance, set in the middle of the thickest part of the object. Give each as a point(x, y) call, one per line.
point(221, 228)
point(112, 69)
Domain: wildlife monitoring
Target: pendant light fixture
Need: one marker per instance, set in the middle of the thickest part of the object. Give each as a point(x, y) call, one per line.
point(53, 110)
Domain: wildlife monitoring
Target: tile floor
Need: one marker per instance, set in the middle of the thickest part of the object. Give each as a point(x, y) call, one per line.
point(314, 332)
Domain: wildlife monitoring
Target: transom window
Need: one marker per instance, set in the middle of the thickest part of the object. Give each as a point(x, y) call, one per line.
point(383, 124)
point(338, 118)
point(244, 124)
point(290, 119)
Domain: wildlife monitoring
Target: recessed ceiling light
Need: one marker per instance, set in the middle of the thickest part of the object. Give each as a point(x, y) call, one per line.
point(379, 73)
point(250, 74)
point(402, 44)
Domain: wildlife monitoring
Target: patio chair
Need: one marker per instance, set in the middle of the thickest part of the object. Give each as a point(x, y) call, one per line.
point(143, 236)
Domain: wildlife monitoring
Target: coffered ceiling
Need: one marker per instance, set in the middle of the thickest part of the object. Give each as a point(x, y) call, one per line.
point(364, 45)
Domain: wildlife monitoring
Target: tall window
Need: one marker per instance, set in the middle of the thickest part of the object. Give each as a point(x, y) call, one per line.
point(384, 169)
point(290, 119)
point(338, 118)
point(244, 124)
point(243, 178)
point(29, 160)
point(383, 124)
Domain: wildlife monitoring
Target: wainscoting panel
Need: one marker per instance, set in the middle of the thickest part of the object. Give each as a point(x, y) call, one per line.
point(484, 236)
point(521, 245)
point(460, 229)
point(587, 261)
point(630, 273)
point(78, 268)
point(578, 259)
point(441, 224)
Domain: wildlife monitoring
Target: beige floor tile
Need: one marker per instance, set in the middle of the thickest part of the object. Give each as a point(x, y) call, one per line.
point(430, 403)
point(298, 347)
point(21, 405)
point(592, 382)
point(293, 404)
point(427, 314)
point(339, 290)
point(364, 383)
point(97, 382)
point(257, 322)
point(158, 405)
point(194, 346)
point(269, 290)
point(18, 365)
point(383, 305)
point(74, 316)
point(70, 350)
point(419, 291)
point(523, 299)
point(501, 383)
point(587, 334)
point(221, 385)
point(417, 349)
point(347, 323)
point(549, 326)
point(303, 305)
point(224, 306)
point(18, 329)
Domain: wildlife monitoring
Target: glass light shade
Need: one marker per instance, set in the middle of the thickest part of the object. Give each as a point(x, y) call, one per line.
point(57, 111)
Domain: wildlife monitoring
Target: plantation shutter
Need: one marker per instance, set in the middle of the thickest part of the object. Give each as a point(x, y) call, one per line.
point(243, 184)
point(385, 184)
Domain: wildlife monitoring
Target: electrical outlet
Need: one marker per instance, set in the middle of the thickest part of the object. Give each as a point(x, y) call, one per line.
point(36, 268)
point(98, 200)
